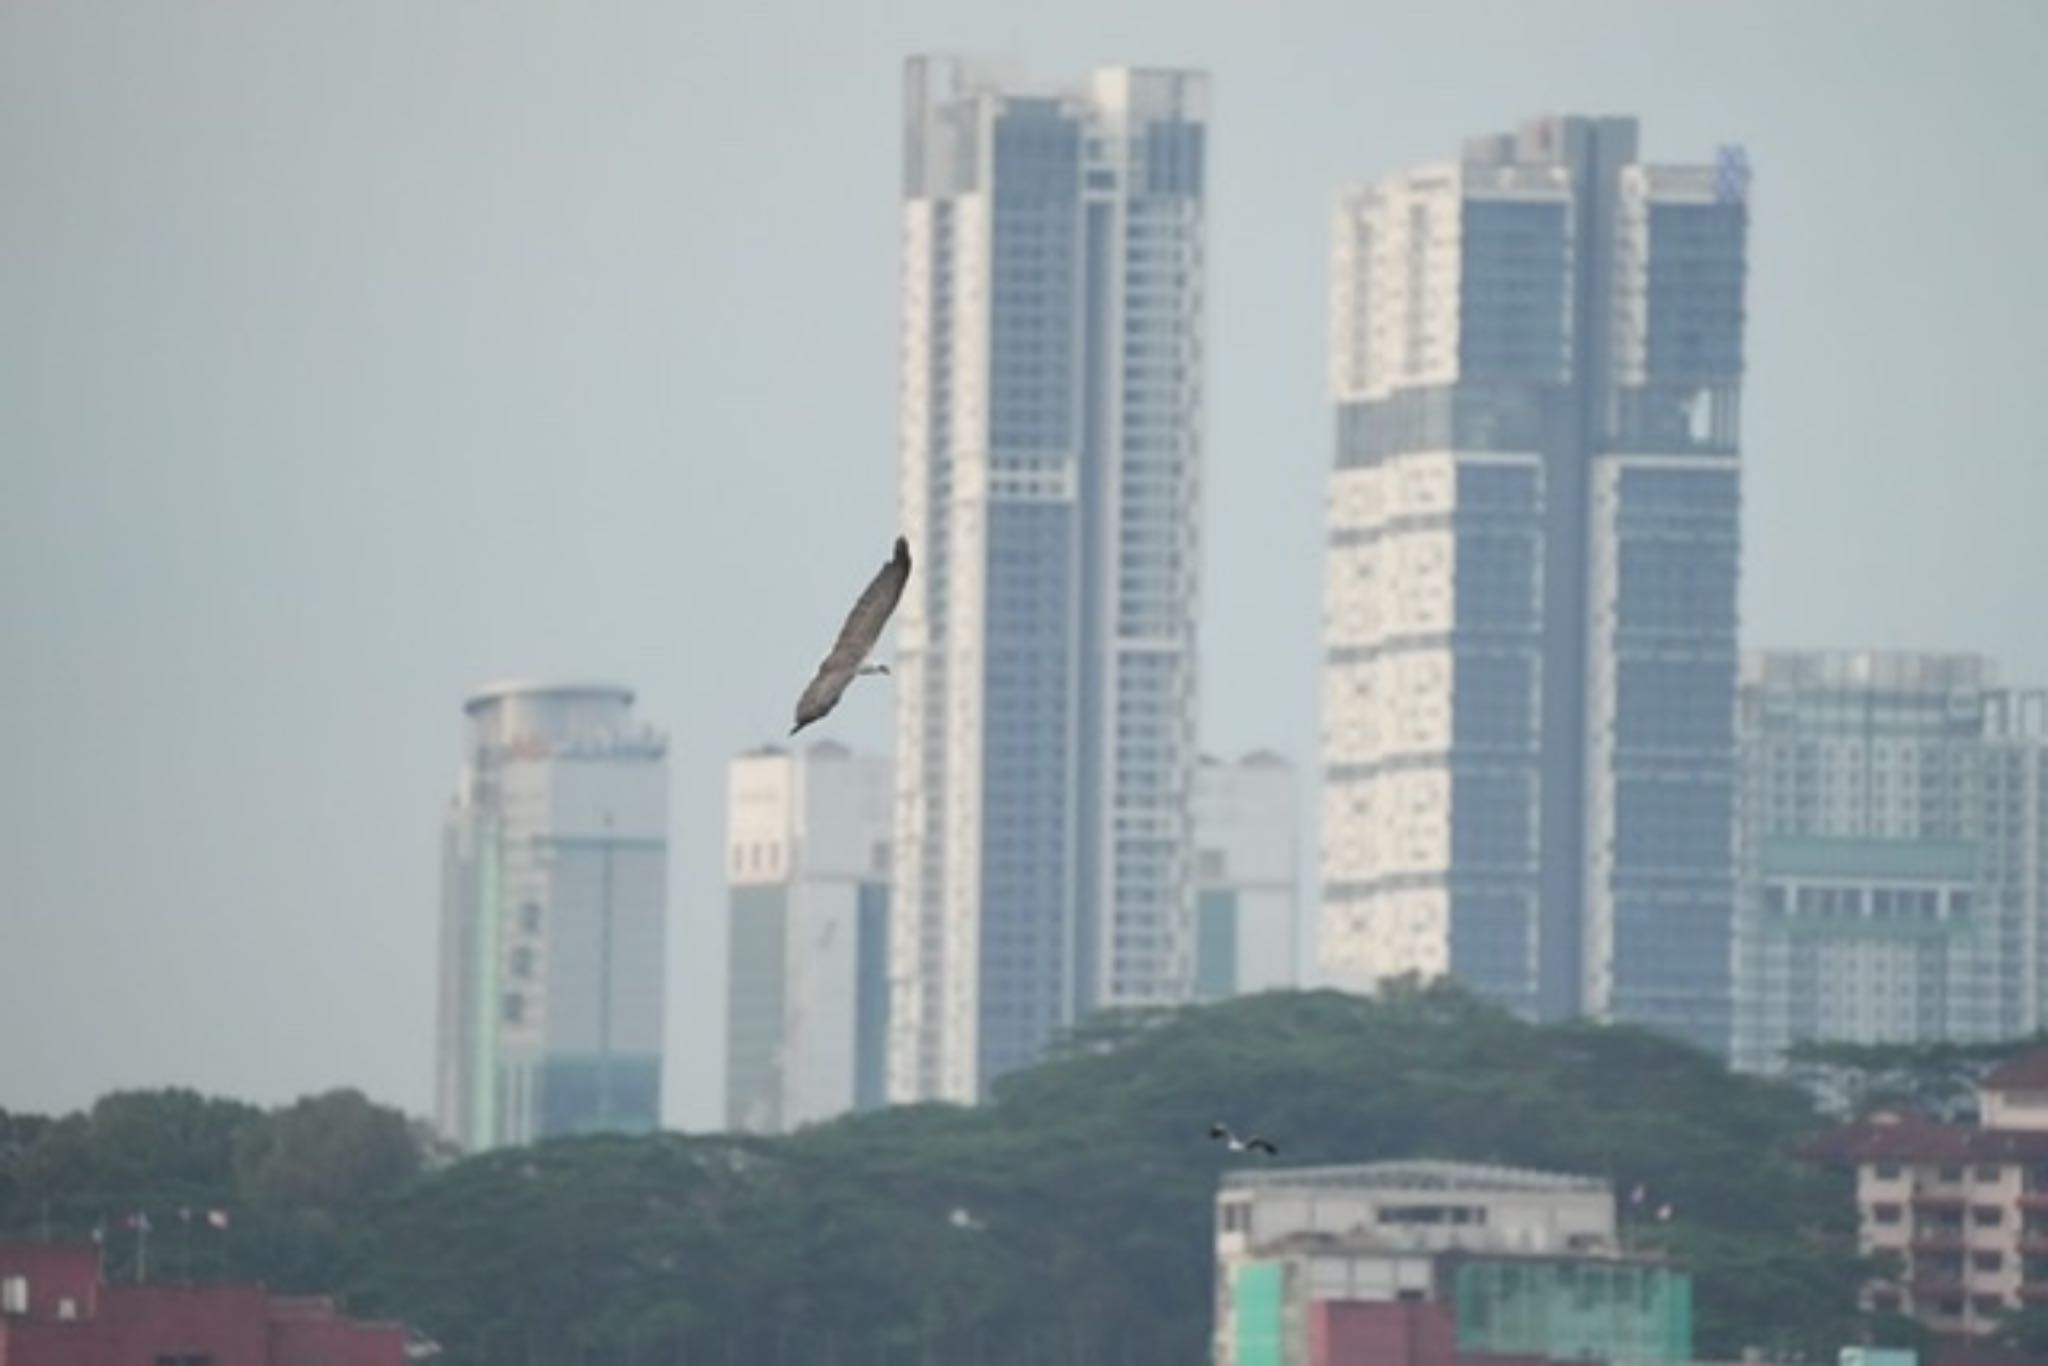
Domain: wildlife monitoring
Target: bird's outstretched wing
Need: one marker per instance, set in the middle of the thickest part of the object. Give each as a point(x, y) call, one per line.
point(856, 638)
point(1261, 1145)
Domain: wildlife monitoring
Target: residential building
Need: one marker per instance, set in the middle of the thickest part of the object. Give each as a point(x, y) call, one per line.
point(1053, 302)
point(1955, 1216)
point(1247, 911)
point(1450, 1261)
point(1894, 839)
point(57, 1310)
point(553, 915)
point(1530, 602)
point(807, 885)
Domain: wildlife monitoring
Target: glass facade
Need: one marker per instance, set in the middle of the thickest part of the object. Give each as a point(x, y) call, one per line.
point(1573, 1311)
point(1045, 681)
point(1530, 592)
point(1892, 834)
point(554, 911)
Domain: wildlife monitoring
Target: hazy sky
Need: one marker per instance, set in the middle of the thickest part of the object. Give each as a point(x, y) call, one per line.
point(354, 354)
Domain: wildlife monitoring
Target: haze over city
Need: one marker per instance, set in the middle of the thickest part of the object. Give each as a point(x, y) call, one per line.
point(353, 358)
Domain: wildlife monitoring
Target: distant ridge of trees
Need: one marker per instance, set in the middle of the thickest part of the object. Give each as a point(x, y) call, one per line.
point(1068, 1219)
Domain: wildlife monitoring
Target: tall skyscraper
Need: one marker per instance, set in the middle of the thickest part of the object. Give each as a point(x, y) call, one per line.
point(1530, 608)
point(807, 878)
point(1247, 907)
point(553, 912)
point(1051, 448)
point(1895, 832)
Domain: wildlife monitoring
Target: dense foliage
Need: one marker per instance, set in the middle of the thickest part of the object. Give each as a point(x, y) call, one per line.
point(291, 1184)
point(1067, 1220)
point(1938, 1079)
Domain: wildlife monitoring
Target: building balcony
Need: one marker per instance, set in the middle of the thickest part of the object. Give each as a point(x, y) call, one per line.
point(2035, 1200)
point(2034, 1243)
point(1939, 1200)
point(1937, 1283)
point(1938, 1240)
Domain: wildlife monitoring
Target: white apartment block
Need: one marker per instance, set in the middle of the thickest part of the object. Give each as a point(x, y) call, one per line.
point(1530, 593)
point(554, 911)
point(1895, 824)
point(807, 889)
point(1247, 887)
point(1956, 1216)
point(1051, 445)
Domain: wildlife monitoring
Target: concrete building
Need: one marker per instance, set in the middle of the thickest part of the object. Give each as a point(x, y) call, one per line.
point(1956, 1216)
point(553, 917)
point(807, 881)
point(1053, 301)
point(1894, 840)
point(57, 1310)
point(1247, 907)
point(1530, 602)
point(1457, 1262)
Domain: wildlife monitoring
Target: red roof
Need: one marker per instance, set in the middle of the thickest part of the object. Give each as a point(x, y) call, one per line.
point(72, 1317)
point(2027, 1072)
point(1903, 1137)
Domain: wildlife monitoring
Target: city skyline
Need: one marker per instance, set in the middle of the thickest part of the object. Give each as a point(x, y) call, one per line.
point(253, 340)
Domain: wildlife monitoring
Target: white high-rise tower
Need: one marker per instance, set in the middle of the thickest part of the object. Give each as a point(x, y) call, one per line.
point(553, 911)
point(1051, 451)
point(1530, 629)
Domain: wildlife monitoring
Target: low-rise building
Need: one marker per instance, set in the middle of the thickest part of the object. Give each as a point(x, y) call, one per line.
point(1955, 1216)
point(1438, 1262)
point(56, 1310)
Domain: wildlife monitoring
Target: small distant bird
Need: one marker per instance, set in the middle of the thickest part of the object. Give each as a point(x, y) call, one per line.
point(857, 637)
point(1254, 1144)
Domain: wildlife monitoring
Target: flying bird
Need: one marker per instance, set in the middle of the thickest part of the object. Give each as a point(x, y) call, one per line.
point(857, 637)
point(1253, 1144)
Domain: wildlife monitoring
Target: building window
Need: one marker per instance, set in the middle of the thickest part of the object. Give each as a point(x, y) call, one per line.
point(514, 1008)
point(1989, 1172)
point(1885, 1302)
point(1950, 1308)
point(1885, 1214)
point(1887, 1171)
point(529, 917)
point(1951, 1174)
point(1986, 1216)
point(1987, 1304)
point(1987, 1261)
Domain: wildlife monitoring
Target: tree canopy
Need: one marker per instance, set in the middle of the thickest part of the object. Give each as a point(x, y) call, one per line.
point(1937, 1079)
point(1069, 1218)
point(293, 1183)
